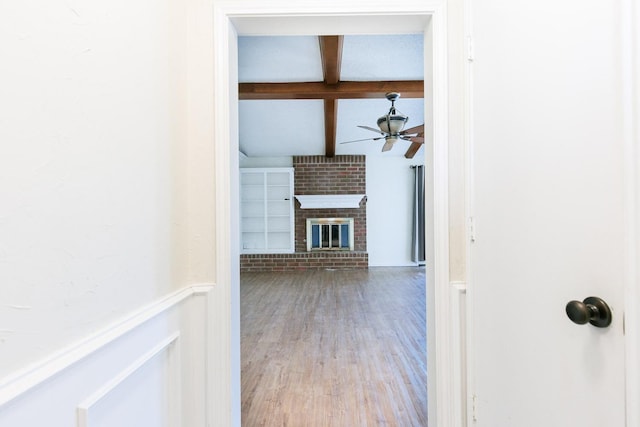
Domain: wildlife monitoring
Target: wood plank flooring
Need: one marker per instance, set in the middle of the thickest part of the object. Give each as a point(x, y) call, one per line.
point(334, 348)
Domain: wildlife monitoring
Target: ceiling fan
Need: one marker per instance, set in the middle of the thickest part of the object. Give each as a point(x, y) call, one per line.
point(391, 125)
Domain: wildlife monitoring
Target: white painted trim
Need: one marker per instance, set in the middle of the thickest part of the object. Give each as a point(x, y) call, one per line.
point(220, 378)
point(85, 406)
point(22, 381)
point(470, 344)
point(630, 40)
point(246, 14)
point(458, 350)
point(328, 201)
point(442, 412)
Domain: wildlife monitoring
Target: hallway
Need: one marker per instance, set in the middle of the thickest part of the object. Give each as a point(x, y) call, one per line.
point(334, 348)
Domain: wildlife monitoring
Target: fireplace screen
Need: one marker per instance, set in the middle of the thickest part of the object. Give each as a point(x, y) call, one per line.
point(330, 234)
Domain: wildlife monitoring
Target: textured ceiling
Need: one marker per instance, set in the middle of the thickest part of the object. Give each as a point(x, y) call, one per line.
point(296, 127)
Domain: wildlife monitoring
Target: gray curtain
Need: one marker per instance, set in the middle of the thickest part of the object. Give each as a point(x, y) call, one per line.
point(418, 243)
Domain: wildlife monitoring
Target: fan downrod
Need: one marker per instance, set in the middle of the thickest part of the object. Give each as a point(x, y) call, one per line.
point(392, 96)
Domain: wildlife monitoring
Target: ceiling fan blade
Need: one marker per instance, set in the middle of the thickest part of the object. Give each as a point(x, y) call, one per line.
point(413, 149)
point(419, 138)
point(373, 129)
point(365, 139)
point(415, 129)
point(388, 145)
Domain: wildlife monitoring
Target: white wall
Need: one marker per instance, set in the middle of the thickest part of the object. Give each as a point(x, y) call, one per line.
point(390, 209)
point(92, 127)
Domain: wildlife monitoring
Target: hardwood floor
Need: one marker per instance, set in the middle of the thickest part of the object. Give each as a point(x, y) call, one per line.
point(334, 348)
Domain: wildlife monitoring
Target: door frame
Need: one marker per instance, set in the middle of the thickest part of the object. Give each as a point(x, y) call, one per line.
point(630, 56)
point(213, 48)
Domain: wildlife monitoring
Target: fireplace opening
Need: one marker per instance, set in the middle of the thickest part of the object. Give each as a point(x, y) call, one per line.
point(329, 234)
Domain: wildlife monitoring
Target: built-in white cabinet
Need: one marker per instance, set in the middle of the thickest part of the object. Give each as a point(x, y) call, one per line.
point(266, 209)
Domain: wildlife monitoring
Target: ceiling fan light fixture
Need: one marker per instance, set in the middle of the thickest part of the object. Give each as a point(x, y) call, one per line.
point(391, 126)
point(392, 123)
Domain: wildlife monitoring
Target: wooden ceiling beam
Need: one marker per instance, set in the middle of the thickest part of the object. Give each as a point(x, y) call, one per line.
point(331, 55)
point(322, 90)
point(330, 126)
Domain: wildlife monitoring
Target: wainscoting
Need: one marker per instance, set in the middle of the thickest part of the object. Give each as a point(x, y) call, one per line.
point(136, 372)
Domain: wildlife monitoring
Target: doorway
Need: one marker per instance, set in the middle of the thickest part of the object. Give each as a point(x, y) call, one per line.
point(308, 311)
point(230, 22)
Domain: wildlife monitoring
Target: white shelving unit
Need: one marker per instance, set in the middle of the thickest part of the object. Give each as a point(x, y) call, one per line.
point(266, 207)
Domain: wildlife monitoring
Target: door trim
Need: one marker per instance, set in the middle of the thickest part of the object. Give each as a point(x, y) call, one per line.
point(223, 366)
point(630, 38)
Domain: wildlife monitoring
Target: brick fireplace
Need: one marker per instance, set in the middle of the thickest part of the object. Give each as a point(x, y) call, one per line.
point(319, 175)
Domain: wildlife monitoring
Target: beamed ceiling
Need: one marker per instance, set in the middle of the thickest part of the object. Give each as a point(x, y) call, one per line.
point(375, 61)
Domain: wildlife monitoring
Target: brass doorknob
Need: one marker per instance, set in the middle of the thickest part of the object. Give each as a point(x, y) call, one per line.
point(592, 310)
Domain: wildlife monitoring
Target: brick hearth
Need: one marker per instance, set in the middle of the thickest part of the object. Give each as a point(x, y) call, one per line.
point(304, 261)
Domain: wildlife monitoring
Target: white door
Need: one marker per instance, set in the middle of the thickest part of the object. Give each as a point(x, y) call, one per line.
point(547, 203)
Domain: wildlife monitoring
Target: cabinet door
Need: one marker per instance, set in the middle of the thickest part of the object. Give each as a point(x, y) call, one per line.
point(279, 211)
